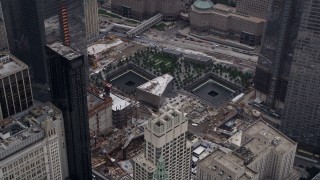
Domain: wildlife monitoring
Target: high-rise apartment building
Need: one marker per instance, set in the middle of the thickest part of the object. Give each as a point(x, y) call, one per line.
point(33, 24)
point(255, 8)
point(4, 45)
point(92, 19)
point(33, 145)
point(265, 153)
point(15, 86)
point(165, 137)
point(68, 91)
point(287, 75)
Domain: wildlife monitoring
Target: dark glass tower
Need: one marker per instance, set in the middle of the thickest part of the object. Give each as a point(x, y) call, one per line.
point(68, 90)
point(301, 119)
point(25, 29)
point(288, 72)
point(32, 24)
point(275, 59)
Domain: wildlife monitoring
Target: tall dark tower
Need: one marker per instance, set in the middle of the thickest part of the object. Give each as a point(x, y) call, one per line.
point(68, 91)
point(288, 72)
point(32, 24)
point(275, 59)
point(301, 119)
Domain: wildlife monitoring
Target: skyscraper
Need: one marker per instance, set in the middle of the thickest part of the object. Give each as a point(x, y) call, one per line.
point(166, 145)
point(287, 76)
point(301, 118)
point(92, 19)
point(4, 45)
point(275, 59)
point(33, 24)
point(25, 29)
point(68, 90)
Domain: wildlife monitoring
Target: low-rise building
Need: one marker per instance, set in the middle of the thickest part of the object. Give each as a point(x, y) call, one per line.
point(99, 111)
point(224, 21)
point(198, 59)
point(32, 145)
point(154, 91)
point(121, 111)
point(265, 153)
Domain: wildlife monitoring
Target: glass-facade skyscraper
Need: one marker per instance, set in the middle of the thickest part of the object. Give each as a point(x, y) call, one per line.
point(34, 23)
point(301, 118)
point(276, 55)
point(4, 45)
point(288, 71)
point(68, 91)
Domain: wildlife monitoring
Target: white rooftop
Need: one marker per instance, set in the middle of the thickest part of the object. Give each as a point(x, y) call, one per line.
point(199, 150)
point(157, 85)
point(98, 48)
point(10, 65)
point(118, 103)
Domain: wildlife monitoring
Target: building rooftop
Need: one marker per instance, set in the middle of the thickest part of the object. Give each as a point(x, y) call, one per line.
point(157, 85)
point(23, 129)
point(265, 137)
point(203, 4)
point(118, 103)
point(219, 160)
point(64, 51)
point(223, 7)
point(97, 103)
point(9, 64)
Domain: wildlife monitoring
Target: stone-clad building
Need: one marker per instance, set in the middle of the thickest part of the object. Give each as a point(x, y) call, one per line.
point(226, 22)
point(144, 9)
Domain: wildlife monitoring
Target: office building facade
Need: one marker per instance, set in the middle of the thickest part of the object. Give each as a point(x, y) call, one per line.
point(301, 117)
point(33, 145)
point(276, 55)
point(225, 21)
point(15, 86)
point(145, 9)
point(4, 45)
point(99, 111)
point(69, 93)
point(287, 74)
point(92, 19)
point(165, 137)
point(255, 8)
point(33, 24)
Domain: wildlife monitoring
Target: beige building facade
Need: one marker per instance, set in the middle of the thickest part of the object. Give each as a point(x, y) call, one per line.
point(224, 21)
point(91, 19)
point(265, 153)
point(144, 9)
point(99, 111)
point(255, 8)
point(165, 135)
point(32, 145)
